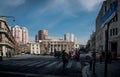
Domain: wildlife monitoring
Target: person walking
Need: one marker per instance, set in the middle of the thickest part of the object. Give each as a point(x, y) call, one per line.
point(1, 56)
point(69, 54)
point(64, 59)
point(77, 55)
point(100, 57)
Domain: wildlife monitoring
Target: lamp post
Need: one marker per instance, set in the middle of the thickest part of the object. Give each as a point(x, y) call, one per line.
point(94, 61)
point(106, 49)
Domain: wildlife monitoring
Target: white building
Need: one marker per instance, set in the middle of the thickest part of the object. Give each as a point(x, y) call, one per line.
point(35, 48)
point(69, 37)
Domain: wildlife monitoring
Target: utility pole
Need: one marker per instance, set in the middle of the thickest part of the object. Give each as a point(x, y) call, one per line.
point(94, 61)
point(106, 49)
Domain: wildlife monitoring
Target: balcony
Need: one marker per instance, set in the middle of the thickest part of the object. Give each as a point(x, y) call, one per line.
point(7, 44)
point(3, 30)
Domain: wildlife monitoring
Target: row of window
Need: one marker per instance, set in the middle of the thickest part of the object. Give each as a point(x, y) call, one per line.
point(113, 31)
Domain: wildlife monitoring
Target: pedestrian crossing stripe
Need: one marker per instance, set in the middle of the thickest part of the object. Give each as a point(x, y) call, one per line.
point(33, 64)
point(59, 65)
point(52, 64)
point(78, 65)
point(46, 64)
point(69, 64)
point(42, 64)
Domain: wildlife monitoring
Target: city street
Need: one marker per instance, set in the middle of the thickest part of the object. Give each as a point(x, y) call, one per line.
point(40, 66)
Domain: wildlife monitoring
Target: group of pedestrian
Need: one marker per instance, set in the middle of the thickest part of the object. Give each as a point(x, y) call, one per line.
point(66, 56)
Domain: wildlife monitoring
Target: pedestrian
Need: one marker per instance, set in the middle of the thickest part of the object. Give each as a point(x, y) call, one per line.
point(109, 57)
point(77, 55)
point(64, 59)
point(100, 57)
point(1, 56)
point(70, 54)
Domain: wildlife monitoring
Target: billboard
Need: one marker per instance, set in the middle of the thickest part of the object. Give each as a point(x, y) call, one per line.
point(109, 14)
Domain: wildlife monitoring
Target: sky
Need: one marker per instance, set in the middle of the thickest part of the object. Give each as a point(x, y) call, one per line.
point(57, 16)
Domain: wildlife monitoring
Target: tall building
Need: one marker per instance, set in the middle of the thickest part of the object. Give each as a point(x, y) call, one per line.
point(108, 28)
point(20, 34)
point(43, 35)
point(69, 37)
point(24, 35)
point(17, 33)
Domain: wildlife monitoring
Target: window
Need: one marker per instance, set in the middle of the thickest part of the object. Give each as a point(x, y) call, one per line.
point(113, 32)
point(116, 31)
point(110, 32)
point(0, 25)
point(0, 37)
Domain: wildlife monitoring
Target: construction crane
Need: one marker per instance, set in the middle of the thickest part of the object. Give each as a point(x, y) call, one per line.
point(8, 17)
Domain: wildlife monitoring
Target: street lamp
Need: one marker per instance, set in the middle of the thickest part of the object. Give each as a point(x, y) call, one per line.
point(106, 48)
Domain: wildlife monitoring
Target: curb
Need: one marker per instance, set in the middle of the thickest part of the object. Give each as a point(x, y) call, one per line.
point(84, 71)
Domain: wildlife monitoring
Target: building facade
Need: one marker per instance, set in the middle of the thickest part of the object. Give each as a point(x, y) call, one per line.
point(43, 35)
point(35, 48)
point(24, 35)
point(50, 45)
point(108, 19)
point(20, 34)
point(70, 37)
point(8, 45)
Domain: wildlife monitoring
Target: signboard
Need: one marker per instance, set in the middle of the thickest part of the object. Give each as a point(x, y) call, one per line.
point(109, 14)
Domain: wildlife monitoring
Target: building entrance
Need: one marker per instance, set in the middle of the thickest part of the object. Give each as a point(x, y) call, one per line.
point(114, 49)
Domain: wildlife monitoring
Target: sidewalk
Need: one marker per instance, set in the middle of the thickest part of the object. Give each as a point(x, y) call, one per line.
point(113, 70)
point(17, 57)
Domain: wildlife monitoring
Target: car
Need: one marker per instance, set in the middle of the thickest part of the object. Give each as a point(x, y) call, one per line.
point(85, 55)
point(57, 54)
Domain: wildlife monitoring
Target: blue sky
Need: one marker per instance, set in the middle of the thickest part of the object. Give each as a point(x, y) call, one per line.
point(56, 16)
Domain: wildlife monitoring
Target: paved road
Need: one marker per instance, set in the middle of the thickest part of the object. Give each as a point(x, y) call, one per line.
point(40, 66)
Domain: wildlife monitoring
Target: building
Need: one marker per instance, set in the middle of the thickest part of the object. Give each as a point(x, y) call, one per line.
point(69, 37)
point(20, 34)
point(8, 45)
point(17, 33)
point(24, 35)
point(91, 43)
point(108, 27)
point(35, 48)
point(50, 45)
point(43, 35)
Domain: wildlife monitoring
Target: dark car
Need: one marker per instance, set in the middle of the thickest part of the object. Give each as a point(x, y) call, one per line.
point(57, 54)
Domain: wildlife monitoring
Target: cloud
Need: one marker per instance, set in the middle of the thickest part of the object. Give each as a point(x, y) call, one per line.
point(8, 5)
point(89, 5)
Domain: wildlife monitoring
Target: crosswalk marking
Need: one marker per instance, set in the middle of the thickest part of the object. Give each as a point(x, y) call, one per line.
point(69, 64)
point(23, 63)
point(52, 64)
point(86, 63)
point(35, 63)
point(78, 65)
point(45, 64)
point(42, 64)
point(59, 65)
